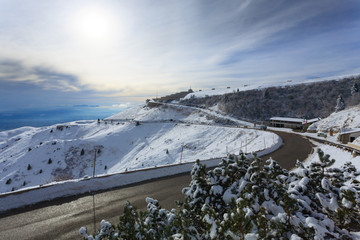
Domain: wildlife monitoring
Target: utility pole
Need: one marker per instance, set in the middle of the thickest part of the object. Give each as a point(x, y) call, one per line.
point(94, 161)
point(264, 143)
point(240, 145)
point(94, 212)
point(246, 145)
point(182, 149)
point(93, 193)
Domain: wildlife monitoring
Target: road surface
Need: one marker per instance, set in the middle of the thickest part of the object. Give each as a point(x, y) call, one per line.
point(61, 219)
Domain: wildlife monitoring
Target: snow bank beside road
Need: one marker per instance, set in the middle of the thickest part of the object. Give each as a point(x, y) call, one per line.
point(81, 186)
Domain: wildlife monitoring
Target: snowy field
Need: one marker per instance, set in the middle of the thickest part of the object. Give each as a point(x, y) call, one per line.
point(34, 156)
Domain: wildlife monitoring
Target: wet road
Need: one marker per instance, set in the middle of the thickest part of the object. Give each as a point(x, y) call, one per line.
point(61, 219)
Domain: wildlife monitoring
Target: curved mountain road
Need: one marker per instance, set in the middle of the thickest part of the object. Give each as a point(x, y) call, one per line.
point(61, 219)
point(295, 147)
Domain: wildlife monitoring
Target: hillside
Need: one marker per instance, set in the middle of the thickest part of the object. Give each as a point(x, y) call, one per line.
point(348, 118)
point(160, 112)
point(174, 96)
point(33, 156)
point(309, 100)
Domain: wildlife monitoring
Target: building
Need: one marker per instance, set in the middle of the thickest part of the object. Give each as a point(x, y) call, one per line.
point(348, 135)
point(308, 122)
point(294, 123)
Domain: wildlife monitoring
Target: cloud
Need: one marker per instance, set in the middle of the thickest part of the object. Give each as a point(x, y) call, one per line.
point(122, 105)
point(172, 45)
point(41, 76)
point(25, 87)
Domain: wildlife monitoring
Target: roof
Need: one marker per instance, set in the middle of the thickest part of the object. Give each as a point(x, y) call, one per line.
point(313, 120)
point(347, 131)
point(294, 120)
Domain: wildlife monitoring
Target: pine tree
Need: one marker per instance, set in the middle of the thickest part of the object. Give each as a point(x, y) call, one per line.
point(340, 104)
point(354, 89)
point(128, 225)
point(239, 200)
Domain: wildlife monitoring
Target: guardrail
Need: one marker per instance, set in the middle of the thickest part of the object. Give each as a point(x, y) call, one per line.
point(349, 147)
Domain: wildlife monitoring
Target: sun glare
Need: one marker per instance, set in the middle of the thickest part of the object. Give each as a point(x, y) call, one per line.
point(93, 25)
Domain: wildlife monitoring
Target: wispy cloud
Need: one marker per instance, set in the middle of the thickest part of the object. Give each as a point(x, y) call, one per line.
point(122, 105)
point(41, 76)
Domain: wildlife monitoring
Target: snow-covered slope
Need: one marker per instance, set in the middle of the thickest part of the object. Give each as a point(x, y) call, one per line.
point(341, 157)
point(348, 118)
point(162, 112)
point(356, 141)
point(176, 112)
point(34, 156)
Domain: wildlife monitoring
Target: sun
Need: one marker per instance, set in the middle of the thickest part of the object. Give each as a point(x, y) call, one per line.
point(93, 25)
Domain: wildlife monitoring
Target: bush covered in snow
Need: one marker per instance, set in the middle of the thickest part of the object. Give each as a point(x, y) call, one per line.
point(242, 200)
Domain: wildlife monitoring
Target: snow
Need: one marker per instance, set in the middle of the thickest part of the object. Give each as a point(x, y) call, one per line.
point(80, 186)
point(251, 236)
point(224, 90)
point(348, 118)
point(128, 114)
point(216, 91)
point(325, 184)
point(297, 120)
point(228, 196)
point(332, 204)
point(340, 155)
point(216, 190)
point(121, 147)
point(213, 224)
point(344, 130)
point(164, 112)
point(295, 237)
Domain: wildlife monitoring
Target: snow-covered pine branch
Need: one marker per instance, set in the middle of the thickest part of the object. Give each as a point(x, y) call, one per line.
point(239, 199)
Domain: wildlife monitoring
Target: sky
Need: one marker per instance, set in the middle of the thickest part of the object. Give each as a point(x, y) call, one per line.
point(117, 52)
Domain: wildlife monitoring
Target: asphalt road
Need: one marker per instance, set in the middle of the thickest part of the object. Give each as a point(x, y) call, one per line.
point(61, 219)
point(295, 147)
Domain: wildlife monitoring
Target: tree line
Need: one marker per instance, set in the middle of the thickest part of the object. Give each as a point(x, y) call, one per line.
point(309, 100)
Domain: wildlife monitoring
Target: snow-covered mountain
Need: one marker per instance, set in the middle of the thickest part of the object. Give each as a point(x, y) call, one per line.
point(33, 156)
point(348, 118)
